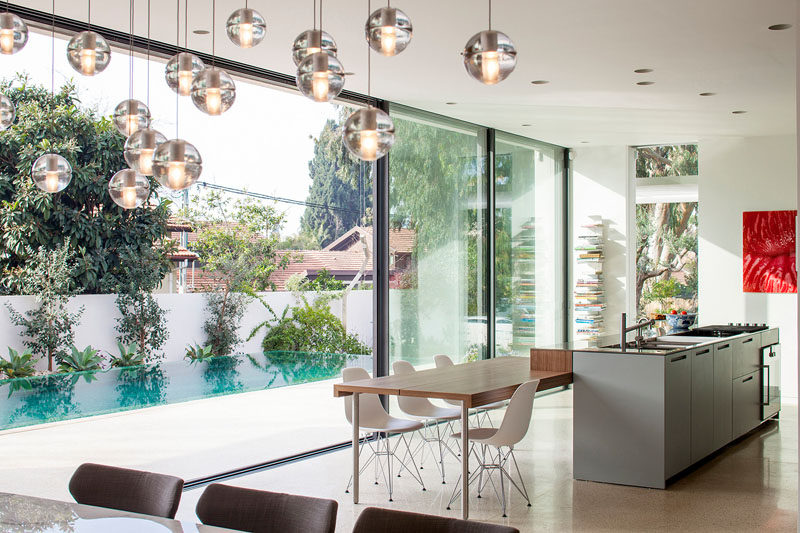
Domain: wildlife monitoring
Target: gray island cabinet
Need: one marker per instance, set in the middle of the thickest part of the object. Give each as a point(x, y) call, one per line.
point(641, 417)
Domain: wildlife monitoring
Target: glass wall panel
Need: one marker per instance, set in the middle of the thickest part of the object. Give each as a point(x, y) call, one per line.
point(437, 197)
point(529, 273)
point(268, 397)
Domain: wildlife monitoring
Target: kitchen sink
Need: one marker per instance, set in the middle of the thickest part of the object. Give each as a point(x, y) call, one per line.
point(666, 343)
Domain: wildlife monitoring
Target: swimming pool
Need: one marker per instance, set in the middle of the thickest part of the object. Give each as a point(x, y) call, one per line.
point(55, 397)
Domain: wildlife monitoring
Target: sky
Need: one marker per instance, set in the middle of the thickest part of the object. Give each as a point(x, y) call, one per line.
point(262, 143)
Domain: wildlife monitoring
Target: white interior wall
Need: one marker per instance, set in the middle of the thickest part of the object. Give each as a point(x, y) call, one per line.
point(185, 316)
point(737, 175)
point(600, 188)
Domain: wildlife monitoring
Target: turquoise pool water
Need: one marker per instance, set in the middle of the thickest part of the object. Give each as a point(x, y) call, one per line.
point(55, 397)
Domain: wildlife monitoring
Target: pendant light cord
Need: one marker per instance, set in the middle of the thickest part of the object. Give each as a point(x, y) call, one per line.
point(369, 58)
point(89, 17)
point(213, 32)
point(315, 14)
point(490, 15)
point(185, 26)
point(53, 52)
point(130, 54)
point(148, 54)
point(178, 45)
point(320, 15)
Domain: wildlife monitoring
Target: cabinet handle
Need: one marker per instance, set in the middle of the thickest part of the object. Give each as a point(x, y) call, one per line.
point(679, 358)
point(723, 346)
point(747, 379)
point(703, 352)
point(765, 379)
point(748, 340)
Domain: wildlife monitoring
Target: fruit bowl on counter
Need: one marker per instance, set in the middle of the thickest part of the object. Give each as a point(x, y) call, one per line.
point(682, 321)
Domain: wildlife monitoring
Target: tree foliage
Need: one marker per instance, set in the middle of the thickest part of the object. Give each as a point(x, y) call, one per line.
point(237, 244)
point(668, 160)
point(98, 232)
point(48, 328)
point(142, 320)
point(337, 180)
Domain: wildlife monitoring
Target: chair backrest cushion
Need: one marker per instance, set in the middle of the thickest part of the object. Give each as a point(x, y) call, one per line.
point(517, 419)
point(262, 511)
point(126, 490)
point(442, 361)
point(373, 519)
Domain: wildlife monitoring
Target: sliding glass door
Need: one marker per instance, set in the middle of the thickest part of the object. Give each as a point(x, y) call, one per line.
point(437, 241)
point(529, 273)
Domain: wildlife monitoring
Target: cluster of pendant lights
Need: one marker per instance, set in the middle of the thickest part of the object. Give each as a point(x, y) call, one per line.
point(489, 57)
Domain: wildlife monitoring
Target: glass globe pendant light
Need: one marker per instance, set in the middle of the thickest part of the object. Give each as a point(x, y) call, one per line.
point(131, 115)
point(213, 90)
point(312, 42)
point(177, 164)
point(51, 173)
point(388, 30)
point(87, 51)
point(141, 145)
point(183, 67)
point(246, 27)
point(368, 133)
point(140, 148)
point(490, 56)
point(320, 77)
point(13, 33)
point(128, 189)
point(7, 112)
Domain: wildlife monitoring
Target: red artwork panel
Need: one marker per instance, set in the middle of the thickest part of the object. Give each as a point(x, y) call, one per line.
point(769, 251)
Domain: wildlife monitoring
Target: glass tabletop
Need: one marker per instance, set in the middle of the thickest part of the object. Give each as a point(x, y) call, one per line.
point(29, 514)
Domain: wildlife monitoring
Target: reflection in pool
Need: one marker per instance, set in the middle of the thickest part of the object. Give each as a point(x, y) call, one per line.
point(29, 401)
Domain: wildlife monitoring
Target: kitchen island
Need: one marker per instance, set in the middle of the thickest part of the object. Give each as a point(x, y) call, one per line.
point(643, 415)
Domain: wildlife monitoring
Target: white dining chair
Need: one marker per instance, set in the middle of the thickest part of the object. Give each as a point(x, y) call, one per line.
point(374, 419)
point(431, 416)
point(496, 446)
point(480, 414)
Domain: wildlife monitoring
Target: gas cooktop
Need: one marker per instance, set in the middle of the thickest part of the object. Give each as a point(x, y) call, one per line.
point(723, 331)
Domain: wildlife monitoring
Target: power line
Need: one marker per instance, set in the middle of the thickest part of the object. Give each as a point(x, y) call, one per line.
point(261, 196)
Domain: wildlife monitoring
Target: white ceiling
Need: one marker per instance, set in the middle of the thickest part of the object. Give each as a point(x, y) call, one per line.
point(588, 50)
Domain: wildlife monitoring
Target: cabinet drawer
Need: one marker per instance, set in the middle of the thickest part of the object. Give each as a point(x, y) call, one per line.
point(746, 403)
point(770, 336)
point(702, 403)
point(746, 354)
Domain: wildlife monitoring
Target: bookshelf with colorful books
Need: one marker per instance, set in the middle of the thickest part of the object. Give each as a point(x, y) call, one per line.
point(589, 296)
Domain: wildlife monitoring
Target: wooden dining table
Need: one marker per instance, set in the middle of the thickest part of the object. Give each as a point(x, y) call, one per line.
point(20, 513)
point(472, 384)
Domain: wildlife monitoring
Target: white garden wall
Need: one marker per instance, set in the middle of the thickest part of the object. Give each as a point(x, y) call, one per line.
point(185, 316)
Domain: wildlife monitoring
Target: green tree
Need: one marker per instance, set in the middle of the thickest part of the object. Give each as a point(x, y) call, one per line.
point(338, 181)
point(97, 230)
point(668, 160)
point(237, 244)
point(48, 328)
point(142, 320)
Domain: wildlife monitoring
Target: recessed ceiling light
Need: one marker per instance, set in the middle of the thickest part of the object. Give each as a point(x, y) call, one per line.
point(584, 142)
point(200, 32)
point(779, 27)
point(643, 70)
point(527, 125)
point(739, 112)
point(540, 82)
point(451, 103)
point(708, 94)
point(643, 83)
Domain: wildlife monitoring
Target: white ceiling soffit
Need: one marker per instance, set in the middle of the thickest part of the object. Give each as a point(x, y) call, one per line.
point(587, 49)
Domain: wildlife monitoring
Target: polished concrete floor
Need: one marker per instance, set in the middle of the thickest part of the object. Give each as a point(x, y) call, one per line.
point(749, 486)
